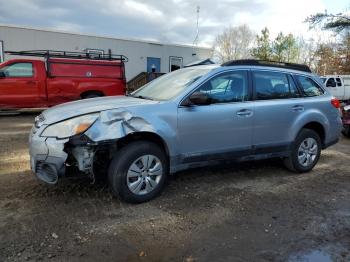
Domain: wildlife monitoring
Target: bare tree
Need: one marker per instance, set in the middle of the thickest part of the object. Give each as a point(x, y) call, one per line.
point(307, 49)
point(233, 43)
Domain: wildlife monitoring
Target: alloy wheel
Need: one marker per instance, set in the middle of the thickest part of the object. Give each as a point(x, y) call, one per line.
point(144, 174)
point(307, 152)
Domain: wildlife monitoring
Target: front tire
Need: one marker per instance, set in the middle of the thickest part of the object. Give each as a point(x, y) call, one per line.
point(138, 171)
point(306, 151)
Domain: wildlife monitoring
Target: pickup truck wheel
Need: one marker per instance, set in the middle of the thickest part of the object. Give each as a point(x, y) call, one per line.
point(306, 151)
point(138, 171)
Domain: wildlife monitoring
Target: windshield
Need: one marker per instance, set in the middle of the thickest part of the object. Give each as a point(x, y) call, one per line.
point(170, 85)
point(323, 79)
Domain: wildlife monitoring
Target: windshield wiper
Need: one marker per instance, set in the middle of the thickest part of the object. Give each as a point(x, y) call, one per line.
point(141, 97)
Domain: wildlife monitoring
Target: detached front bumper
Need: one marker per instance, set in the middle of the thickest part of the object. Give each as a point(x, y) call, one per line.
point(47, 158)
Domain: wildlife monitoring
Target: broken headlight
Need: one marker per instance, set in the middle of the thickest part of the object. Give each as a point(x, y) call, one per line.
point(70, 127)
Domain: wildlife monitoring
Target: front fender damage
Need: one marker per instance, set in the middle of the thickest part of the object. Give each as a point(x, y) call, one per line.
point(114, 124)
point(91, 152)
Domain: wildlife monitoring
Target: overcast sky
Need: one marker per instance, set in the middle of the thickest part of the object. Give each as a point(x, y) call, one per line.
point(165, 20)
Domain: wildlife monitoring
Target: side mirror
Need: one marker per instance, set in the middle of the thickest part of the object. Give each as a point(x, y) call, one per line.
point(2, 74)
point(199, 98)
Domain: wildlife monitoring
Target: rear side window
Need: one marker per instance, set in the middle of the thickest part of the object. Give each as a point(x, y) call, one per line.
point(274, 85)
point(309, 86)
point(18, 70)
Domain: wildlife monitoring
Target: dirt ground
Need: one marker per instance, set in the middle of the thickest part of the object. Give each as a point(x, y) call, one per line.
point(247, 212)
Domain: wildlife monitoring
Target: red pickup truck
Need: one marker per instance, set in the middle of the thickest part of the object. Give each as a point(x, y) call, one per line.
point(59, 77)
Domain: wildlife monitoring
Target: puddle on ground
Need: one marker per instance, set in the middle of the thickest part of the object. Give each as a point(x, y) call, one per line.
point(313, 256)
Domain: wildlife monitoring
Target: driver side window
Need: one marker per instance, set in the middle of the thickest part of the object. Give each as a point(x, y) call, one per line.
point(18, 70)
point(227, 87)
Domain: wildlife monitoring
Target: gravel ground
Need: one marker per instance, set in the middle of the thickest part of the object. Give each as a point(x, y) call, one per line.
point(247, 212)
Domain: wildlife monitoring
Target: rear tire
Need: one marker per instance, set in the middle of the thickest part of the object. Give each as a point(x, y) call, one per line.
point(306, 151)
point(91, 95)
point(138, 171)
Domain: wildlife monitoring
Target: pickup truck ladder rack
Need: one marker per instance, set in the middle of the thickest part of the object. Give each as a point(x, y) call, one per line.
point(67, 54)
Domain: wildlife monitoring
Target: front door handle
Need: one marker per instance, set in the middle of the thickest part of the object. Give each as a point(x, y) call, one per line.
point(30, 82)
point(244, 113)
point(298, 108)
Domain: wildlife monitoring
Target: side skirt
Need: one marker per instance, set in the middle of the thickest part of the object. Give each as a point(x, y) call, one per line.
point(259, 153)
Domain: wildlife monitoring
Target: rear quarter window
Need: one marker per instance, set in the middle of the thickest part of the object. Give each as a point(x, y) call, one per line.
point(309, 87)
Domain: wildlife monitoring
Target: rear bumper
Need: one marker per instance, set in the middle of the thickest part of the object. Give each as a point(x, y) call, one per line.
point(334, 132)
point(47, 158)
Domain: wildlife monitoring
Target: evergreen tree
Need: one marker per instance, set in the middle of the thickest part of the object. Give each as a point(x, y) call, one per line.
point(263, 50)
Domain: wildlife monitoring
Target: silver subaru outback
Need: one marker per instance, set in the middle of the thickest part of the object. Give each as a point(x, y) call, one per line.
point(196, 116)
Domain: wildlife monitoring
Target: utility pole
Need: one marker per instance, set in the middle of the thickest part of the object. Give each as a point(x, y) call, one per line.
point(195, 41)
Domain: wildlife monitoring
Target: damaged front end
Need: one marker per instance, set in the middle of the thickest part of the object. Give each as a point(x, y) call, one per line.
point(88, 152)
point(88, 157)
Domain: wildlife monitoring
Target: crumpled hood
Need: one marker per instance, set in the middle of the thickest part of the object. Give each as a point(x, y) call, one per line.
point(81, 107)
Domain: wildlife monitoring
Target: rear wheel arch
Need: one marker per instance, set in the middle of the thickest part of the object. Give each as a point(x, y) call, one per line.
point(305, 151)
point(318, 128)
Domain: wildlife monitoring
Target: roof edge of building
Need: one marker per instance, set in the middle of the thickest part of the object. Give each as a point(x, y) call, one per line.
point(101, 36)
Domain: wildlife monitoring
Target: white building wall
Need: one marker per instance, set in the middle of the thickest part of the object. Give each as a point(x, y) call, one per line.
point(18, 39)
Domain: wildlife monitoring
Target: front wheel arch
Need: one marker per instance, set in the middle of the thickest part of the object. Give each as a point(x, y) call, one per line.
point(144, 136)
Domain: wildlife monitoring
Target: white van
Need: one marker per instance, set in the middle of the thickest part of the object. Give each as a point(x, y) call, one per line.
point(338, 85)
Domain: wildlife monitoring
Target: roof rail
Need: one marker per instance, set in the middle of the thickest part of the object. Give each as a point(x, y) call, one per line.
point(67, 54)
point(255, 62)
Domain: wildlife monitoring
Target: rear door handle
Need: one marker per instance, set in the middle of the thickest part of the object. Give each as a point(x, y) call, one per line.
point(298, 108)
point(245, 113)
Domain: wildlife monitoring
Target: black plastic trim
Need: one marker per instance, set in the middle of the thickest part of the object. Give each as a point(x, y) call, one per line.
point(256, 152)
point(255, 62)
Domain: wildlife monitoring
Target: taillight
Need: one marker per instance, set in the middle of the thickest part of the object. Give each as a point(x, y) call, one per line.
point(335, 102)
